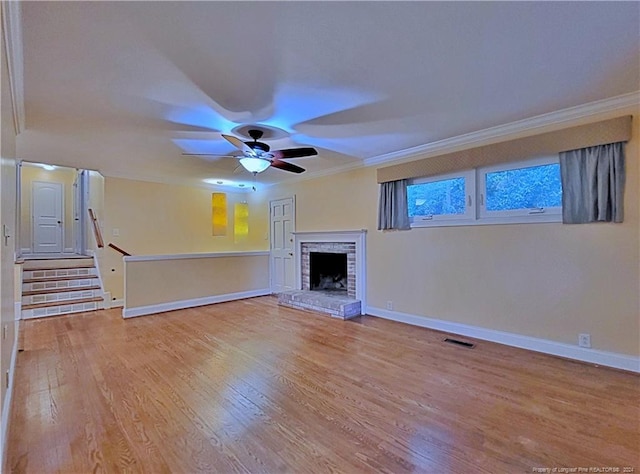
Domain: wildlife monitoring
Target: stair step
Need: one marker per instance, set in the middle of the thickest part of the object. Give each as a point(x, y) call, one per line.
point(61, 303)
point(61, 278)
point(56, 263)
point(71, 294)
point(61, 285)
point(64, 256)
point(40, 269)
point(59, 290)
point(58, 273)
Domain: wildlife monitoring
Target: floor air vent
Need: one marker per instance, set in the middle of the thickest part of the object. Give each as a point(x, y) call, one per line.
point(459, 343)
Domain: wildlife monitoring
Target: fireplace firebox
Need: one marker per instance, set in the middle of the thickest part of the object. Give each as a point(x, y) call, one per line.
point(328, 271)
point(335, 250)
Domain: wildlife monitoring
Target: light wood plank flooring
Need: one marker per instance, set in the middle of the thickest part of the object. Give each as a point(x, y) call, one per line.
point(248, 386)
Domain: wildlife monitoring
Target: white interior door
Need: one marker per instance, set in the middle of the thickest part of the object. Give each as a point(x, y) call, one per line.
point(46, 209)
point(282, 219)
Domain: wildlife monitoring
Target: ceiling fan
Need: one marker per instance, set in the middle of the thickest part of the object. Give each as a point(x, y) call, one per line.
point(257, 156)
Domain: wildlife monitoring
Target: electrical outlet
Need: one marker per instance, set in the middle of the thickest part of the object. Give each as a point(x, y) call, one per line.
point(584, 340)
point(116, 232)
point(390, 305)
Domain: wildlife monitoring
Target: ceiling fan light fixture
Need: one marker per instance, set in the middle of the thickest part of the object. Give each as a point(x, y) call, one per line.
point(254, 165)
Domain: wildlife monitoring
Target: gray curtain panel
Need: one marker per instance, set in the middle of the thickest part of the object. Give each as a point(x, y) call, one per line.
point(593, 184)
point(393, 211)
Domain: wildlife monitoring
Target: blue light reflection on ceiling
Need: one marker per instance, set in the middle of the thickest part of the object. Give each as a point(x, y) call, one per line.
point(292, 106)
point(295, 104)
point(200, 116)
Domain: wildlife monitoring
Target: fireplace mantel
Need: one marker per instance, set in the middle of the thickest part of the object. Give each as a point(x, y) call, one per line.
point(358, 237)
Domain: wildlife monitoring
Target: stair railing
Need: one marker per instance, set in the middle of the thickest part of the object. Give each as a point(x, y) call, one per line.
point(96, 229)
point(118, 249)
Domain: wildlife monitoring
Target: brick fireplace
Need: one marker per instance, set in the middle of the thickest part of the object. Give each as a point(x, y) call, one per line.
point(328, 248)
point(349, 243)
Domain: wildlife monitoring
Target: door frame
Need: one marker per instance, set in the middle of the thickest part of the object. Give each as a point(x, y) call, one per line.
point(293, 229)
point(22, 251)
point(80, 208)
point(33, 220)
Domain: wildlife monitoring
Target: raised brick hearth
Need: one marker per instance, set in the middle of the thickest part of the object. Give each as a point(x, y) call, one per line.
point(336, 306)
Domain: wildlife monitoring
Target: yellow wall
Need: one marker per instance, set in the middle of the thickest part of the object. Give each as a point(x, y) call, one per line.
point(158, 219)
point(153, 282)
point(549, 281)
point(66, 176)
point(7, 218)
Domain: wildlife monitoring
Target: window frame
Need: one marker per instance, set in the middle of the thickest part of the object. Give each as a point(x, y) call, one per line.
point(475, 186)
point(449, 219)
point(513, 215)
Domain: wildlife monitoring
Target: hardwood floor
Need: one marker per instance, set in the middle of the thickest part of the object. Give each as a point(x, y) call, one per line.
point(248, 386)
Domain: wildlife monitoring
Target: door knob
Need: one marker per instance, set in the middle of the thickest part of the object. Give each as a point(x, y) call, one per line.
point(291, 254)
point(59, 222)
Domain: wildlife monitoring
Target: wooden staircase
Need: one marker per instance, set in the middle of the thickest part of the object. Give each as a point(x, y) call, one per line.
point(52, 287)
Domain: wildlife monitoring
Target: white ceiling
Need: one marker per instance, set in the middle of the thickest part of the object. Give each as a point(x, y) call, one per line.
point(127, 87)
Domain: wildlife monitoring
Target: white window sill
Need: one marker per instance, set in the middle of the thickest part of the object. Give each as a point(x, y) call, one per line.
point(537, 219)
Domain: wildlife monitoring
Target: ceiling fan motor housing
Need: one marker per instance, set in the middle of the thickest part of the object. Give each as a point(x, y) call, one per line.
point(258, 146)
point(255, 144)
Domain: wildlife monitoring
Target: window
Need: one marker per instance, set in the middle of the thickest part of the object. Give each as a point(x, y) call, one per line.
point(521, 189)
point(441, 198)
point(520, 192)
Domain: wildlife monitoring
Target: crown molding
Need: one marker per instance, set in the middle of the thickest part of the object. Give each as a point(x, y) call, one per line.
point(12, 29)
point(481, 137)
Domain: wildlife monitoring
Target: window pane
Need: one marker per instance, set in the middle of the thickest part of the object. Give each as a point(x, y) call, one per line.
point(436, 198)
point(524, 188)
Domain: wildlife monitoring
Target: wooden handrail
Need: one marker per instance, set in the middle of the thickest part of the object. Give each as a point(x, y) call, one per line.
point(118, 249)
point(96, 229)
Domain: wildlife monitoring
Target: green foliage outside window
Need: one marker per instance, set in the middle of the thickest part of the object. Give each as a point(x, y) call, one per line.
point(437, 198)
point(504, 190)
point(524, 188)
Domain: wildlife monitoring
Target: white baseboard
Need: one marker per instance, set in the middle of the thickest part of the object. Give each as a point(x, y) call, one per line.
point(161, 308)
point(594, 356)
point(17, 311)
point(117, 303)
point(106, 300)
point(6, 407)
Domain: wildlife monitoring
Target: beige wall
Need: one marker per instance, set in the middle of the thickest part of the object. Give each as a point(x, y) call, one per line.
point(157, 219)
point(155, 282)
point(7, 218)
point(549, 281)
point(31, 173)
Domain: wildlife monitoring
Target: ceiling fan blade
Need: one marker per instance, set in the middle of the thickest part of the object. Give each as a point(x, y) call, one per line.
point(283, 165)
point(239, 144)
point(211, 154)
point(293, 153)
